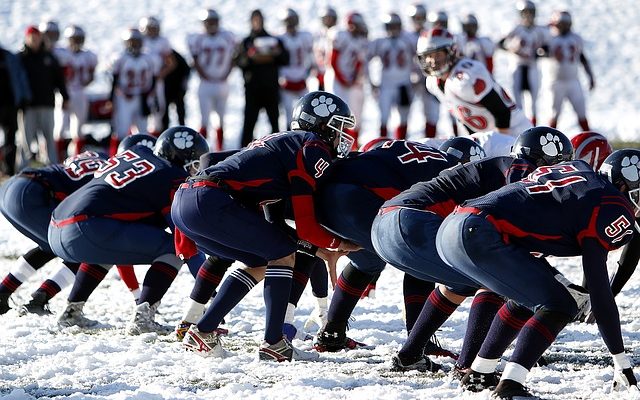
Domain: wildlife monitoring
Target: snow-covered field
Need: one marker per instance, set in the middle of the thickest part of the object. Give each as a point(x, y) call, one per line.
point(36, 361)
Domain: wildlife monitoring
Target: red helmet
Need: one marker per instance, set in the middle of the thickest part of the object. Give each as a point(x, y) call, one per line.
point(591, 147)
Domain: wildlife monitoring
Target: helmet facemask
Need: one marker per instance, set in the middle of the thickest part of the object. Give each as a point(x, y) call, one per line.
point(340, 124)
point(436, 62)
point(192, 167)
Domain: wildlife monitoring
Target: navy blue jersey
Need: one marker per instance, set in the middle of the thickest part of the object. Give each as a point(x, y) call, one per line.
point(286, 165)
point(555, 208)
point(64, 179)
point(135, 185)
point(456, 185)
point(391, 168)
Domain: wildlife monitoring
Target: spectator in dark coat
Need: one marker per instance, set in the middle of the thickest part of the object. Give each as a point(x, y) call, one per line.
point(14, 92)
point(45, 77)
point(260, 55)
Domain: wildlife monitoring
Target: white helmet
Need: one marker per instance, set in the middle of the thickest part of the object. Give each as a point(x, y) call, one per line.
point(432, 41)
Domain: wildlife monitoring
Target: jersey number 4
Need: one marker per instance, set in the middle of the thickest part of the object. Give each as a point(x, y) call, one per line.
point(119, 179)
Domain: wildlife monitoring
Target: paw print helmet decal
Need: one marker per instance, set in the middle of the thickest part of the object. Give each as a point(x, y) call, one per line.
point(181, 146)
point(142, 139)
point(622, 168)
point(543, 146)
point(328, 116)
point(464, 149)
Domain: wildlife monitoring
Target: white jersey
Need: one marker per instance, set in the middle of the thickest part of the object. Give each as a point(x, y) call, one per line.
point(158, 46)
point(350, 54)
point(62, 55)
point(320, 44)
point(468, 82)
point(300, 48)
point(80, 69)
point(213, 52)
point(564, 52)
point(524, 42)
point(476, 48)
point(396, 57)
point(135, 74)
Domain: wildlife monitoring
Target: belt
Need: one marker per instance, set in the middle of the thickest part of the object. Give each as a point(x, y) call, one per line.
point(386, 210)
point(208, 181)
point(470, 210)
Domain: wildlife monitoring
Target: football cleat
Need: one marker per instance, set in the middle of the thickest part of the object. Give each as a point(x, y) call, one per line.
point(284, 351)
point(39, 304)
point(423, 364)
point(205, 344)
point(181, 329)
point(4, 303)
point(477, 382)
point(327, 341)
point(511, 390)
point(73, 316)
point(143, 321)
point(433, 348)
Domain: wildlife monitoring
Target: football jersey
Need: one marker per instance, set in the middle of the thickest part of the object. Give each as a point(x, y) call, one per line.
point(135, 185)
point(396, 57)
point(64, 179)
point(348, 54)
point(555, 208)
point(564, 52)
point(524, 42)
point(391, 168)
point(135, 74)
point(158, 46)
point(476, 48)
point(456, 185)
point(79, 69)
point(468, 82)
point(300, 48)
point(213, 52)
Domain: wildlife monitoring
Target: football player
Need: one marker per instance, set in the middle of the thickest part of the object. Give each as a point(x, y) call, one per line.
point(329, 19)
point(120, 217)
point(404, 233)
point(346, 65)
point(479, 48)
point(395, 52)
point(132, 93)
point(477, 101)
point(293, 76)
point(566, 51)
point(501, 240)
point(79, 73)
point(523, 43)
point(286, 165)
point(212, 53)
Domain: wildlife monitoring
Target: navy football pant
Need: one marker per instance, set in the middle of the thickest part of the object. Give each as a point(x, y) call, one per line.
point(472, 245)
point(110, 241)
point(348, 211)
point(27, 205)
point(223, 227)
point(406, 239)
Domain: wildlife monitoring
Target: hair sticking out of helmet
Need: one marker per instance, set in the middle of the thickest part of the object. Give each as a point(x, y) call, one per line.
point(374, 144)
point(543, 145)
point(622, 169)
point(591, 147)
point(464, 149)
point(328, 116)
point(436, 52)
point(182, 147)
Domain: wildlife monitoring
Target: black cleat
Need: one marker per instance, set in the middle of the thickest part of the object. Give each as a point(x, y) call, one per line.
point(433, 348)
point(477, 382)
point(328, 341)
point(39, 305)
point(4, 303)
point(511, 390)
point(423, 364)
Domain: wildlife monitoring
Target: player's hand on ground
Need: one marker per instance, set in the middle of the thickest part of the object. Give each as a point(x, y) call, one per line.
point(331, 258)
point(348, 246)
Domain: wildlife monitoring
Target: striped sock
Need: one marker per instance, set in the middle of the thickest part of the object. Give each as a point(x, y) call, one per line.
point(347, 292)
point(483, 309)
point(415, 291)
point(435, 312)
point(504, 328)
point(208, 278)
point(277, 287)
point(157, 281)
point(87, 280)
point(232, 290)
point(24, 268)
point(62, 278)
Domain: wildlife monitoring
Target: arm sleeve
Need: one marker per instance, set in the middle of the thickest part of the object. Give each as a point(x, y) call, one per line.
point(627, 264)
point(594, 263)
point(494, 103)
point(311, 164)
